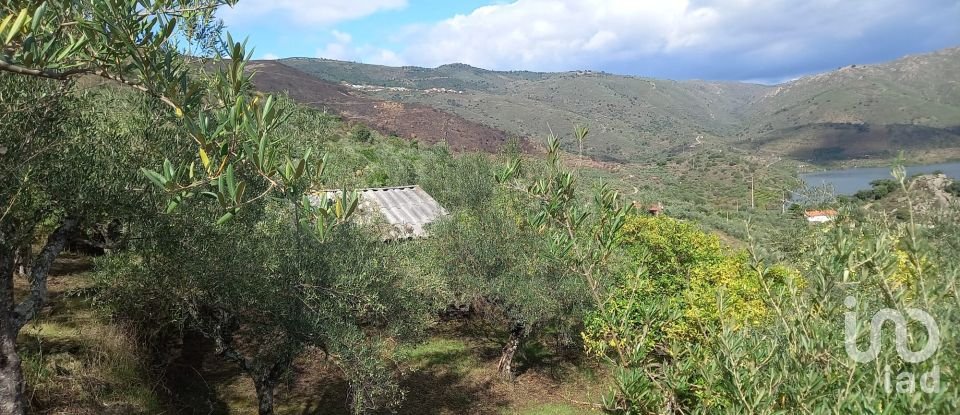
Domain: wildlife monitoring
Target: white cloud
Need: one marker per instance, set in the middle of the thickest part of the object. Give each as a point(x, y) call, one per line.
point(339, 49)
point(269, 57)
point(343, 48)
point(386, 57)
point(341, 37)
point(322, 12)
point(715, 34)
point(547, 33)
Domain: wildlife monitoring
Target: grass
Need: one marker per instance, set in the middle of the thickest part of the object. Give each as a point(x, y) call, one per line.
point(452, 372)
point(451, 354)
point(550, 409)
point(75, 361)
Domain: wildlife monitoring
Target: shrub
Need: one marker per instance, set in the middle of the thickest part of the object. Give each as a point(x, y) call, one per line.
point(799, 359)
point(361, 134)
point(954, 188)
point(691, 269)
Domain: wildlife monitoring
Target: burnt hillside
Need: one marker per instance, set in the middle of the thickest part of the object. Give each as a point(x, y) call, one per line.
point(410, 121)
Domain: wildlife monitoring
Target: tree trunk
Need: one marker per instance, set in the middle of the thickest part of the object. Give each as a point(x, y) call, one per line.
point(21, 259)
point(11, 377)
point(505, 366)
point(13, 317)
point(265, 389)
point(30, 306)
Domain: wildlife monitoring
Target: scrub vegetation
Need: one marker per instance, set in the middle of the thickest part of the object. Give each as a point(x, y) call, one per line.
point(160, 253)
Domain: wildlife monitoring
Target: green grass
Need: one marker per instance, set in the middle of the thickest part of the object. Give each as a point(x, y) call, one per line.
point(451, 354)
point(549, 409)
point(76, 361)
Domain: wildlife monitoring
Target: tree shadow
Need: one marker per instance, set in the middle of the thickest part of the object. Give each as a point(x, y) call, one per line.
point(434, 392)
point(190, 378)
point(439, 383)
point(537, 352)
point(68, 263)
point(557, 365)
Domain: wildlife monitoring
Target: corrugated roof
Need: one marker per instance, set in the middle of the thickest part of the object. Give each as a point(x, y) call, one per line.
point(407, 208)
point(812, 213)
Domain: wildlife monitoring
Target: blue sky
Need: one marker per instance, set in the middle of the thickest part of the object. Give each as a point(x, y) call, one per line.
point(753, 40)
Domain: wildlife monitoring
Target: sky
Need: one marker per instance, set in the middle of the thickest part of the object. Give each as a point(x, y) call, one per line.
point(766, 41)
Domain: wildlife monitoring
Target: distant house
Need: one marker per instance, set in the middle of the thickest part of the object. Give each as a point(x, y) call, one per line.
point(654, 210)
point(820, 216)
point(406, 209)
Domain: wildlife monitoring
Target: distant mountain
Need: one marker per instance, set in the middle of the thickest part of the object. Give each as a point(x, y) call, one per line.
point(630, 117)
point(863, 111)
point(856, 112)
point(455, 76)
point(409, 120)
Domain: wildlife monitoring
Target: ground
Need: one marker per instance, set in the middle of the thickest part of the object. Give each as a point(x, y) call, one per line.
point(78, 361)
point(74, 361)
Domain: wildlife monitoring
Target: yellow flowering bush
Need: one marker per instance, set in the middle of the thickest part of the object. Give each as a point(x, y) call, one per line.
point(687, 282)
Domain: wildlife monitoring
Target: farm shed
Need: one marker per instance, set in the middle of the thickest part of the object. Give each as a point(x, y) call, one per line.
point(820, 216)
point(406, 209)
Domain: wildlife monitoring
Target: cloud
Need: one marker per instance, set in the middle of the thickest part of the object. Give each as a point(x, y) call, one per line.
point(339, 49)
point(306, 12)
point(341, 36)
point(269, 57)
point(725, 39)
point(386, 57)
point(343, 48)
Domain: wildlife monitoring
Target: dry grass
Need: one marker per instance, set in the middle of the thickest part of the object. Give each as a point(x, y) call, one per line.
point(78, 362)
point(453, 372)
point(74, 361)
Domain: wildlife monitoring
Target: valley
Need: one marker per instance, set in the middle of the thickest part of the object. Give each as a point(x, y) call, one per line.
point(858, 114)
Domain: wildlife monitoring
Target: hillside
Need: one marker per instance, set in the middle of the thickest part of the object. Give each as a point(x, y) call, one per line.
point(452, 76)
point(409, 120)
point(856, 112)
point(632, 118)
point(864, 111)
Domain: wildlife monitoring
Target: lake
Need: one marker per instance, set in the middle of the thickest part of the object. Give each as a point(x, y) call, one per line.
point(850, 181)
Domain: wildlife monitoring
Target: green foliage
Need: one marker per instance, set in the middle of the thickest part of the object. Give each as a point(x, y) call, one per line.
point(230, 125)
point(878, 190)
point(953, 188)
point(582, 237)
point(680, 284)
point(795, 359)
point(361, 134)
point(494, 261)
point(691, 269)
point(264, 293)
point(244, 286)
point(489, 259)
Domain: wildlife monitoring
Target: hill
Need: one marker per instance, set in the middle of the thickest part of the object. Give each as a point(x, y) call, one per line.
point(857, 112)
point(632, 118)
point(864, 111)
point(409, 120)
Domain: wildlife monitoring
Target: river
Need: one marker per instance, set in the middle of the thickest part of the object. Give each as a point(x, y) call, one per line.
point(850, 181)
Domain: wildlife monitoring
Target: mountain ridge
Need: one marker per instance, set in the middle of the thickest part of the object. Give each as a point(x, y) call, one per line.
point(408, 120)
point(857, 112)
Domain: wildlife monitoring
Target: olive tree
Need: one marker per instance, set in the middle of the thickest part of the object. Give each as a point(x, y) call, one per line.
point(48, 47)
point(505, 272)
point(264, 291)
point(501, 246)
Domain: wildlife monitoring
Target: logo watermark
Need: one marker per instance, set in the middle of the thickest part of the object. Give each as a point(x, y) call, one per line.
point(906, 381)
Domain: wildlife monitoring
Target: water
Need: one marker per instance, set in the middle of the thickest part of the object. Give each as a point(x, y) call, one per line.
point(850, 181)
